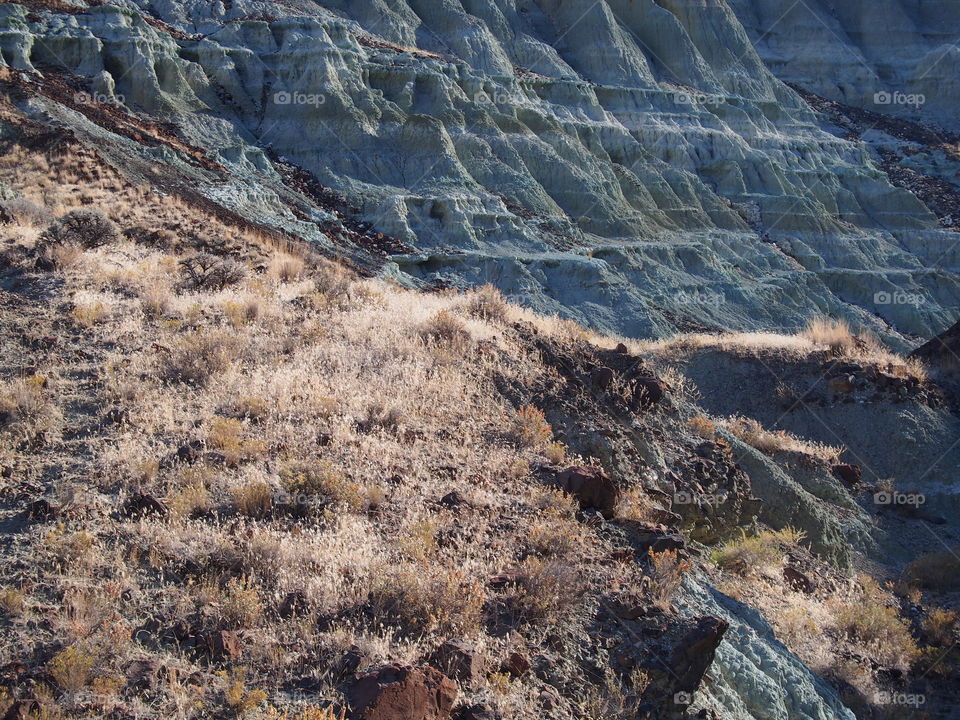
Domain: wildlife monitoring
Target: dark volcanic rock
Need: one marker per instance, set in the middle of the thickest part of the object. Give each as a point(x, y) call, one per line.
point(849, 474)
point(694, 653)
point(590, 486)
point(400, 692)
point(460, 660)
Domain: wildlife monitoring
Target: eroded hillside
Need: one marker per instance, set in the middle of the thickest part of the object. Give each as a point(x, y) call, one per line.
point(241, 480)
point(638, 166)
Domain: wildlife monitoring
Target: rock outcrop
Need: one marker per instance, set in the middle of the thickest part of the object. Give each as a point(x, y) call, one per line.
point(635, 166)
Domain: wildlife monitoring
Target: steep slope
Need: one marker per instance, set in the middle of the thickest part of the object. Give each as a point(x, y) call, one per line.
point(633, 165)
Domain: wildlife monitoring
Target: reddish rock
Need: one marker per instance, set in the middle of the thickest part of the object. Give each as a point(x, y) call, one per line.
point(849, 474)
point(461, 661)
point(798, 580)
point(516, 664)
point(400, 692)
point(622, 349)
point(648, 391)
point(602, 378)
point(221, 645)
point(142, 504)
point(590, 486)
point(23, 710)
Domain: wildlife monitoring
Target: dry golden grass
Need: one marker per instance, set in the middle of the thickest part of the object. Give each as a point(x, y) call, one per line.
point(770, 442)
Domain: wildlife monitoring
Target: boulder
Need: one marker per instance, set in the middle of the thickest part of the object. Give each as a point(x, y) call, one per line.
point(694, 653)
point(461, 661)
point(851, 475)
point(221, 645)
point(648, 391)
point(590, 486)
point(402, 692)
point(141, 505)
point(798, 581)
point(516, 664)
point(23, 710)
point(657, 541)
point(602, 378)
point(476, 712)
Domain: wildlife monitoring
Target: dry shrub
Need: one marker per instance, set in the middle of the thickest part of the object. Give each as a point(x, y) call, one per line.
point(555, 536)
point(287, 268)
point(228, 437)
point(238, 697)
point(239, 314)
point(424, 598)
point(22, 211)
point(870, 619)
point(72, 669)
point(197, 357)
point(87, 315)
point(834, 334)
point(240, 605)
point(446, 330)
point(530, 427)
point(25, 405)
point(321, 485)
point(703, 426)
point(12, 602)
point(333, 282)
point(941, 627)
point(82, 228)
point(770, 442)
point(665, 576)
point(937, 570)
point(555, 453)
point(749, 555)
point(190, 501)
point(155, 302)
point(546, 589)
point(487, 303)
point(254, 499)
point(204, 271)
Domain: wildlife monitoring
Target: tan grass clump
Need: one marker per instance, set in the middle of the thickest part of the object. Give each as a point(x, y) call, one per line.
point(834, 334)
point(770, 442)
point(664, 577)
point(487, 303)
point(530, 427)
point(939, 570)
point(197, 357)
point(752, 554)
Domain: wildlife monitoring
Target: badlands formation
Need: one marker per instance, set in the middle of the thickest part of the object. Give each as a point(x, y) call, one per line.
point(695, 178)
point(639, 166)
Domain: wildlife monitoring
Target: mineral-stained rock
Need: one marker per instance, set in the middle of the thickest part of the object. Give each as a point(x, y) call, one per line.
point(516, 664)
point(460, 660)
point(849, 474)
point(590, 486)
point(694, 653)
point(799, 581)
point(648, 391)
point(402, 692)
